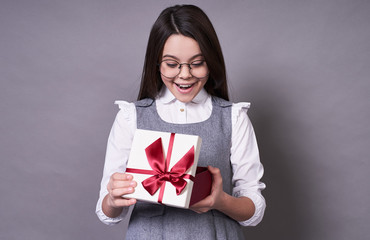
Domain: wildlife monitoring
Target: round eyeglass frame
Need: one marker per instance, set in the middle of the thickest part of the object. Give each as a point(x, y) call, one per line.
point(179, 67)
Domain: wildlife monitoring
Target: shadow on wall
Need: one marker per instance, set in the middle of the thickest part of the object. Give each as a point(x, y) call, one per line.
point(285, 213)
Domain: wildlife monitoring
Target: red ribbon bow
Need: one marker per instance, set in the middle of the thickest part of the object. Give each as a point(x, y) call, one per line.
point(175, 176)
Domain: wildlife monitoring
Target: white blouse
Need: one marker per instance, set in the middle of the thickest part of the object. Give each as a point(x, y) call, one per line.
point(245, 161)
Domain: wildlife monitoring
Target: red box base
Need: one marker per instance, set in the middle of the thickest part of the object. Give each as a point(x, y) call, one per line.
point(202, 185)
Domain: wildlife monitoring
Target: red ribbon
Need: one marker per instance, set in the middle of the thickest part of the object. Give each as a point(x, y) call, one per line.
point(175, 176)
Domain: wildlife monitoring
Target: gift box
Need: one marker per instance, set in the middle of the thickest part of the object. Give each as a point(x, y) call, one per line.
point(165, 167)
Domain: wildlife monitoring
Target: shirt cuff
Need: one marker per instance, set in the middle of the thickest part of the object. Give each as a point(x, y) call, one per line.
point(108, 220)
point(259, 204)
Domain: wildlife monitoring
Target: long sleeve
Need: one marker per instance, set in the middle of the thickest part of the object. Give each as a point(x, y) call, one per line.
point(118, 150)
point(245, 161)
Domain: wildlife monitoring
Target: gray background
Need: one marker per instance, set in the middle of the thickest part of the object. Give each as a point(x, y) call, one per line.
point(304, 65)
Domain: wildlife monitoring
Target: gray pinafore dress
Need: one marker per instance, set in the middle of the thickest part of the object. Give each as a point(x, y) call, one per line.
point(158, 222)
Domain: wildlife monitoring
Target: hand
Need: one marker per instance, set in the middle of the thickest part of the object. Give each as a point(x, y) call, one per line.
point(217, 196)
point(120, 184)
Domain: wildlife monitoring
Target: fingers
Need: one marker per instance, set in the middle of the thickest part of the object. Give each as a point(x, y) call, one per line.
point(119, 192)
point(120, 184)
point(200, 210)
point(122, 202)
point(121, 180)
point(116, 184)
point(216, 198)
point(203, 205)
point(121, 176)
point(206, 202)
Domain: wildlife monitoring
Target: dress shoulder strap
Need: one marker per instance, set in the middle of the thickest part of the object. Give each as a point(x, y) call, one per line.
point(146, 102)
point(221, 102)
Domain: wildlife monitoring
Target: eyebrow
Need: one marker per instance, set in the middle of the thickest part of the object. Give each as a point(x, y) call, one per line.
point(172, 56)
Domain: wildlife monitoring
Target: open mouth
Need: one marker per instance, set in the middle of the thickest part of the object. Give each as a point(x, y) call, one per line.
point(184, 86)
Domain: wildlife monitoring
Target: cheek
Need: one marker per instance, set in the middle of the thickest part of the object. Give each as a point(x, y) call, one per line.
point(166, 80)
point(203, 82)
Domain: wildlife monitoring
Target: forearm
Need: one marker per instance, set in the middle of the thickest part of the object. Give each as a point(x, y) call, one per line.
point(238, 208)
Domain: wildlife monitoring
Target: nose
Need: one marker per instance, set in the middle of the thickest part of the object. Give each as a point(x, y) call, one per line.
point(185, 71)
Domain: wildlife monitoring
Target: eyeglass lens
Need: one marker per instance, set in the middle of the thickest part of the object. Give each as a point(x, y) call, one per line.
point(171, 68)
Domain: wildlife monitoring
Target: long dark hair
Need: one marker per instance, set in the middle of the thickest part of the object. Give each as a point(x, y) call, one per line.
point(190, 21)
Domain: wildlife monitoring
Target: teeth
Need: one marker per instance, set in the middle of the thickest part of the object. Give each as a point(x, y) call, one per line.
point(184, 86)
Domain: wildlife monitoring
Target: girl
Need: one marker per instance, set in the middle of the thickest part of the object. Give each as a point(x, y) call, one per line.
point(184, 90)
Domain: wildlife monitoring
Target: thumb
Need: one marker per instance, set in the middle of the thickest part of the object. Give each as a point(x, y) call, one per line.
point(214, 170)
point(216, 174)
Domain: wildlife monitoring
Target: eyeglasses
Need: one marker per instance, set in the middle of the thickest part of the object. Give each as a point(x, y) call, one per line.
point(171, 68)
